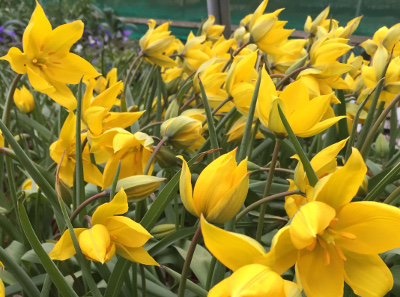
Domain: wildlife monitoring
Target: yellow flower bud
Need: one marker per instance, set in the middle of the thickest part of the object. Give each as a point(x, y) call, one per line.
point(220, 190)
point(24, 100)
point(138, 187)
point(172, 110)
point(160, 231)
point(181, 131)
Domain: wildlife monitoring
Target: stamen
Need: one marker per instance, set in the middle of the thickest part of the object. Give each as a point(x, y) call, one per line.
point(322, 242)
point(34, 61)
point(331, 231)
point(340, 252)
point(113, 237)
point(327, 257)
point(347, 235)
point(333, 222)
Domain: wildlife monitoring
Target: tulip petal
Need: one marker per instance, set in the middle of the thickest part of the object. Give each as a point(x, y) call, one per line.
point(94, 243)
point(63, 37)
point(185, 188)
point(92, 174)
point(118, 205)
point(17, 60)
point(231, 249)
point(339, 188)
point(127, 232)
point(318, 278)
point(312, 218)
point(138, 255)
point(64, 248)
point(283, 254)
point(373, 224)
point(367, 275)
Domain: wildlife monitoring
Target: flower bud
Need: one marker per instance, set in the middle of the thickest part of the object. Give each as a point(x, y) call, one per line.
point(172, 110)
point(381, 146)
point(166, 157)
point(160, 231)
point(138, 187)
point(182, 131)
point(24, 100)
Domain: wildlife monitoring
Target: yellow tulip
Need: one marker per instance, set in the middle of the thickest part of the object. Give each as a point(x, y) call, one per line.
point(47, 60)
point(306, 117)
point(255, 280)
point(23, 99)
point(388, 38)
point(236, 131)
point(155, 43)
point(220, 190)
point(332, 240)
point(110, 233)
point(66, 145)
point(310, 27)
point(194, 53)
point(266, 31)
point(211, 31)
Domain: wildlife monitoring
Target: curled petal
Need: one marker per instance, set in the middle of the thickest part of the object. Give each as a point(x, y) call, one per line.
point(64, 248)
point(118, 205)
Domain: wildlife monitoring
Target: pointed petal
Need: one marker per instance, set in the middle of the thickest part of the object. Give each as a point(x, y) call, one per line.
point(63, 37)
point(317, 278)
point(312, 218)
point(126, 231)
point(118, 205)
point(373, 225)
point(231, 249)
point(185, 189)
point(138, 255)
point(17, 60)
point(367, 275)
point(92, 174)
point(339, 188)
point(121, 119)
point(283, 254)
point(64, 248)
point(319, 127)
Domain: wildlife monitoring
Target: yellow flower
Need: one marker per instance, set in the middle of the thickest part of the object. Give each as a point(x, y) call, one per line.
point(236, 131)
point(255, 280)
point(194, 53)
point(332, 240)
point(96, 112)
point(67, 143)
point(306, 117)
point(23, 99)
point(47, 60)
point(155, 43)
point(100, 84)
point(371, 75)
point(323, 164)
point(211, 31)
point(110, 233)
point(115, 145)
point(182, 131)
point(310, 26)
point(28, 185)
point(266, 31)
point(220, 190)
point(292, 51)
point(388, 38)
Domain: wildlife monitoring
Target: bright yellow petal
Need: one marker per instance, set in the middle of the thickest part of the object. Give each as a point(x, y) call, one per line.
point(231, 249)
point(63, 37)
point(185, 189)
point(17, 60)
point(92, 174)
point(317, 277)
point(139, 255)
point(283, 254)
point(125, 231)
point(94, 243)
point(322, 162)
point(367, 275)
point(121, 119)
point(64, 248)
point(372, 224)
point(311, 219)
point(118, 205)
point(62, 95)
point(319, 127)
point(339, 188)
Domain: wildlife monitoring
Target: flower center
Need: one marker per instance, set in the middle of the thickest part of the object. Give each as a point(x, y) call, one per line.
point(327, 237)
point(41, 63)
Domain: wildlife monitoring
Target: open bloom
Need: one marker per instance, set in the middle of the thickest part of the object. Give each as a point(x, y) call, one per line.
point(332, 240)
point(47, 60)
point(110, 233)
point(220, 189)
point(306, 117)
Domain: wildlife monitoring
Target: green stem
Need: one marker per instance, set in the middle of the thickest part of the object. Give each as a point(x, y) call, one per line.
point(375, 127)
point(130, 70)
point(288, 76)
point(8, 104)
point(264, 200)
point(393, 198)
point(143, 276)
point(153, 155)
point(267, 189)
point(87, 202)
point(188, 260)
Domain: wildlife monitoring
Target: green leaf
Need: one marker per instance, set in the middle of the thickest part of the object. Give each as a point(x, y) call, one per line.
point(189, 284)
point(32, 257)
point(117, 277)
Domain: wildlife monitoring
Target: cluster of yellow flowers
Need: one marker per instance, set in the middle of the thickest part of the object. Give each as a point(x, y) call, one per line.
point(329, 239)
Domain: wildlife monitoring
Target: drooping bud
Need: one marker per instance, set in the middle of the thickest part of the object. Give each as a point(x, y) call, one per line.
point(138, 187)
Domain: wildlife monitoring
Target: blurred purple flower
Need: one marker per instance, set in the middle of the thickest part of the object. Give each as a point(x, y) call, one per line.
point(127, 32)
point(108, 33)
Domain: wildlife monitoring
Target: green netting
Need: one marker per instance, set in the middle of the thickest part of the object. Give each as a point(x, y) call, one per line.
point(376, 14)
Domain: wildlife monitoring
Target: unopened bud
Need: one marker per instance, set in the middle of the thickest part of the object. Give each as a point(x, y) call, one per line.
point(160, 231)
point(138, 187)
point(182, 131)
point(381, 146)
point(172, 110)
point(166, 157)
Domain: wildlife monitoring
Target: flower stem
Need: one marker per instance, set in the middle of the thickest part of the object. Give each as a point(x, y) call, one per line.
point(188, 260)
point(153, 155)
point(267, 189)
point(86, 202)
point(130, 70)
point(288, 76)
